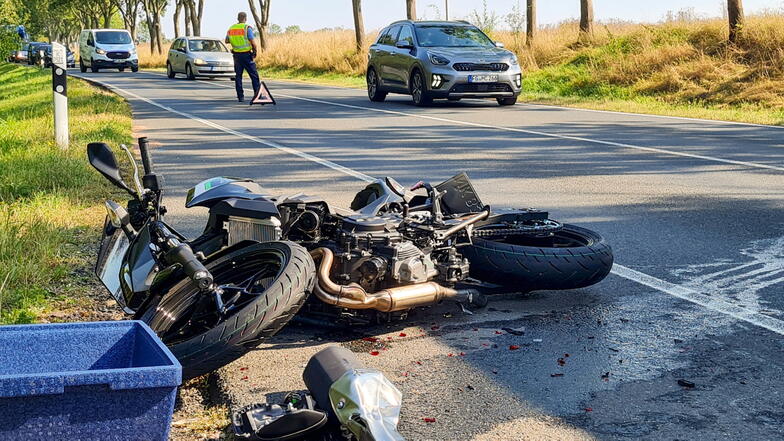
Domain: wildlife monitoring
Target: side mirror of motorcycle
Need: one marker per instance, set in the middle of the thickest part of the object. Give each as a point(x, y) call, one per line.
point(102, 159)
point(396, 187)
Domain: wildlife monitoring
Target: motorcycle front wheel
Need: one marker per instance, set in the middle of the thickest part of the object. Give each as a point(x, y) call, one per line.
point(262, 286)
point(572, 257)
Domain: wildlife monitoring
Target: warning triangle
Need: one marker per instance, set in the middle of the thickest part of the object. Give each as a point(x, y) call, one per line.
point(264, 96)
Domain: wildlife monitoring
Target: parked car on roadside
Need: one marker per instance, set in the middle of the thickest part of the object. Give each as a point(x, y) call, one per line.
point(32, 50)
point(21, 56)
point(199, 57)
point(107, 49)
point(69, 57)
point(441, 59)
point(12, 57)
point(37, 56)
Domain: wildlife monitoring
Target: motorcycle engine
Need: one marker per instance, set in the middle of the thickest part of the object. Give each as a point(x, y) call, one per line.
point(372, 253)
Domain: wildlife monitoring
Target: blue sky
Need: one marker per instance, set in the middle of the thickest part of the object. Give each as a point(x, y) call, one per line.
point(316, 14)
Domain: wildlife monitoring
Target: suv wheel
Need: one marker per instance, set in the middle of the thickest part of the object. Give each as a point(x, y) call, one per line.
point(169, 71)
point(507, 101)
point(419, 90)
point(93, 68)
point(82, 67)
point(373, 88)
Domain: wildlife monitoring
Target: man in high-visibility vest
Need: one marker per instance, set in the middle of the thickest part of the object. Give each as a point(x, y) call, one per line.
point(243, 46)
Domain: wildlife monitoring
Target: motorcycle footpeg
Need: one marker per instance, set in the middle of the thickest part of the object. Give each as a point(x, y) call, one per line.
point(272, 422)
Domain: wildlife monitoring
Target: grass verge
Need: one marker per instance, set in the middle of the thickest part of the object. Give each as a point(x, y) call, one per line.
point(50, 199)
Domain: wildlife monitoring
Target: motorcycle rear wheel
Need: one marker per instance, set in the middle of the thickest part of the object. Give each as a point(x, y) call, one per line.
point(573, 257)
point(283, 273)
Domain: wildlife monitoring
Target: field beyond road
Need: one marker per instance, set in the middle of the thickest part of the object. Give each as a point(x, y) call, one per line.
point(682, 67)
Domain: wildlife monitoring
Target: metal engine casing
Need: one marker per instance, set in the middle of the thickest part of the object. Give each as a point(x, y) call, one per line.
point(374, 254)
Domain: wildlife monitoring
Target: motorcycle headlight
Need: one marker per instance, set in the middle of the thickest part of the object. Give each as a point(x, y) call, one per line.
point(438, 60)
point(100, 51)
point(199, 62)
point(118, 216)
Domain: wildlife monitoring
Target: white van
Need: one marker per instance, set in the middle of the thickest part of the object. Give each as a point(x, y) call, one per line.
point(107, 49)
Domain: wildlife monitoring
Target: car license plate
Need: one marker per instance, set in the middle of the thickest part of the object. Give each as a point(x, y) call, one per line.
point(119, 61)
point(482, 78)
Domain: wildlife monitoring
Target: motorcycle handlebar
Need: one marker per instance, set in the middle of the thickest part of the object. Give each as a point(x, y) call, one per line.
point(196, 271)
point(146, 158)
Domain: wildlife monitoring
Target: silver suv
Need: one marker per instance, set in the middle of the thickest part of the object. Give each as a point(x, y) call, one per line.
point(441, 59)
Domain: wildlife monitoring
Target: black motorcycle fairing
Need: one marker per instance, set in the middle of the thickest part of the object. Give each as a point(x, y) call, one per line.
point(139, 269)
point(211, 191)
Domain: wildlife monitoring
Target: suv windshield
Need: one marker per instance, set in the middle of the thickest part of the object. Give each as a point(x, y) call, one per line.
point(451, 36)
point(112, 37)
point(206, 46)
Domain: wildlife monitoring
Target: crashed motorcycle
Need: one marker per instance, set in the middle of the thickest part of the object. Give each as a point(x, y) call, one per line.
point(400, 248)
point(210, 299)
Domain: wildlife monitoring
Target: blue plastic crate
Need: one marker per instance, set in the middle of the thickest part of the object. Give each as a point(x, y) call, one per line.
point(86, 381)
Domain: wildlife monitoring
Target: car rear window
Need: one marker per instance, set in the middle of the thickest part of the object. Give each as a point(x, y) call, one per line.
point(452, 36)
point(112, 37)
point(206, 46)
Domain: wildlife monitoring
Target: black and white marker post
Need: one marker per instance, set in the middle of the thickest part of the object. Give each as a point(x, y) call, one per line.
point(60, 90)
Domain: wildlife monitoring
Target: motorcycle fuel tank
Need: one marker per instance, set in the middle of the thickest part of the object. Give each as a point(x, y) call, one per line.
point(210, 191)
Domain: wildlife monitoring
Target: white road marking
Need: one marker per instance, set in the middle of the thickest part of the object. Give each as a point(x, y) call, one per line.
point(688, 294)
point(303, 155)
point(710, 302)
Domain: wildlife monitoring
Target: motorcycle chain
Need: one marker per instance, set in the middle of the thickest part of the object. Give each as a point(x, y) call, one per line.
point(495, 232)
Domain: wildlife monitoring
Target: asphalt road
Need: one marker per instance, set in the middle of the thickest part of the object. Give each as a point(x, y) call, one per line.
point(692, 208)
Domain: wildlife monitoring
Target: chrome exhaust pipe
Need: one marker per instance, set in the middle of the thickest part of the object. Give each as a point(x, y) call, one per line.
point(399, 298)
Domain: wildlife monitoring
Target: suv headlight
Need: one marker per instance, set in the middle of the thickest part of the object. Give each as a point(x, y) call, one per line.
point(199, 62)
point(100, 51)
point(438, 60)
point(514, 61)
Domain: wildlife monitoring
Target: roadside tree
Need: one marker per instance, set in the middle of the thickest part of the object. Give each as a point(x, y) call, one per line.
point(411, 9)
point(586, 19)
point(530, 25)
point(736, 18)
point(359, 25)
point(261, 17)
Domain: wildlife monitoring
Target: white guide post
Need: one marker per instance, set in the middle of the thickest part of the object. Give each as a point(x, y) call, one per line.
point(60, 91)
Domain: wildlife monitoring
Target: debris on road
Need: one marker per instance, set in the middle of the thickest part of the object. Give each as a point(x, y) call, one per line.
point(429, 420)
point(557, 375)
point(514, 347)
point(513, 331)
point(686, 384)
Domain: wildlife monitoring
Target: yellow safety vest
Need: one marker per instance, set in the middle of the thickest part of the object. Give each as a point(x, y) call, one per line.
point(238, 38)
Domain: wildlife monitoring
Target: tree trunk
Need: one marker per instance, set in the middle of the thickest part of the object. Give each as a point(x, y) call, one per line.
point(586, 19)
point(446, 9)
point(177, 11)
point(735, 14)
point(188, 12)
point(411, 9)
point(262, 20)
point(359, 25)
point(196, 14)
point(530, 18)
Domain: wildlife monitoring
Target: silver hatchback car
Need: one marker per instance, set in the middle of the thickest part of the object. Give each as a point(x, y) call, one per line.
point(441, 59)
point(199, 57)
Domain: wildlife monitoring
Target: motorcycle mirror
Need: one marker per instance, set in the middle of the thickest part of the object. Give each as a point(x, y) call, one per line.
point(118, 215)
point(102, 159)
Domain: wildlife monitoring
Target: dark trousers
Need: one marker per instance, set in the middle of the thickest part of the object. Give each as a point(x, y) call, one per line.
point(244, 62)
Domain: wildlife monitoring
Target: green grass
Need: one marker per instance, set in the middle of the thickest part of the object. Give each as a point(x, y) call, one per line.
point(313, 76)
point(50, 199)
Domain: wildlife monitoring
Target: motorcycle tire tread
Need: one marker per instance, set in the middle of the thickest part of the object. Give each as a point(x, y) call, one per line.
point(528, 268)
point(231, 339)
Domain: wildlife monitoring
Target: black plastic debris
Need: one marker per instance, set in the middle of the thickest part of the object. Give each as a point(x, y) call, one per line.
point(686, 384)
point(513, 331)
